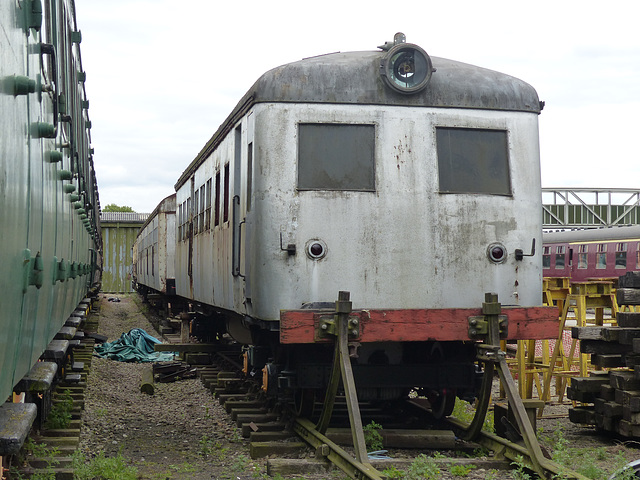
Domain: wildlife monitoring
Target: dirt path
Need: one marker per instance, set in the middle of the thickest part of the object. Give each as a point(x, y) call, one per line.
point(180, 432)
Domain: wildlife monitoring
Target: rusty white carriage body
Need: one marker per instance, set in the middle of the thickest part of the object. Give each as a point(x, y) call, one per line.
point(323, 180)
point(154, 249)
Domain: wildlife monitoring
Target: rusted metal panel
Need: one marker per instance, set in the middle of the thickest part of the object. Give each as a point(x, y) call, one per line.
point(204, 255)
point(406, 244)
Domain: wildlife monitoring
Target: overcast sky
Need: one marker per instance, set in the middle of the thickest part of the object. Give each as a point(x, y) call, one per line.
point(162, 75)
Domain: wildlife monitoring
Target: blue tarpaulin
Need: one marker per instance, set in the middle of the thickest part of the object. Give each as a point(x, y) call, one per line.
point(134, 346)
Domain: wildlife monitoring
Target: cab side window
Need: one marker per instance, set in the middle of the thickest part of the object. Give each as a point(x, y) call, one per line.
point(473, 161)
point(336, 157)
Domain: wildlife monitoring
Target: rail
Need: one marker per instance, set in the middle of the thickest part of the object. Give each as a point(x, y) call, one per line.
point(489, 353)
point(516, 453)
point(355, 469)
point(332, 452)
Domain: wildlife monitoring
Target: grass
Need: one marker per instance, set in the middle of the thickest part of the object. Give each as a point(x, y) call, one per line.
point(210, 447)
point(101, 467)
point(101, 412)
point(392, 473)
point(241, 464)
point(43, 452)
point(422, 468)
point(372, 437)
point(596, 463)
point(520, 472)
point(461, 470)
point(60, 414)
point(465, 412)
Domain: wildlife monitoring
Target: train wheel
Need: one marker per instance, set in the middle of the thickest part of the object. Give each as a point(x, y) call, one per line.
point(304, 402)
point(442, 402)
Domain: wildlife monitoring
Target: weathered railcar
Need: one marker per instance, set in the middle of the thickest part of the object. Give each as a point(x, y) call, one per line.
point(153, 268)
point(49, 211)
point(599, 253)
point(410, 181)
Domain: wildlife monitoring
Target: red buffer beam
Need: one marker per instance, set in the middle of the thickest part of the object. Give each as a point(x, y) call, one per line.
point(416, 325)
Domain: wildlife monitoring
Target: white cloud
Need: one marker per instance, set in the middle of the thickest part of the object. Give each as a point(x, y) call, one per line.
point(162, 75)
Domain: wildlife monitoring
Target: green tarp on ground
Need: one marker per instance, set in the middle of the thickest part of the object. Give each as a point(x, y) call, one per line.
point(134, 346)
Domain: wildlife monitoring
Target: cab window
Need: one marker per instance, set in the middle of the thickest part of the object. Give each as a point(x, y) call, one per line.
point(473, 161)
point(336, 157)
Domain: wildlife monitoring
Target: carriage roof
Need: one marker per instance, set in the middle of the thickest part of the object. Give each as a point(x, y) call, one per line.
point(354, 78)
point(629, 232)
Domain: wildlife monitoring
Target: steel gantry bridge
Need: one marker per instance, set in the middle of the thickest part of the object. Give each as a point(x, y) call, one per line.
point(590, 207)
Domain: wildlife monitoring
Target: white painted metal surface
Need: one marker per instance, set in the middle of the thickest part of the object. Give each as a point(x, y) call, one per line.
point(403, 246)
point(154, 248)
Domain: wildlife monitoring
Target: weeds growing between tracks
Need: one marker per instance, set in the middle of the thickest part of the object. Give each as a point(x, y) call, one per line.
point(113, 468)
point(60, 414)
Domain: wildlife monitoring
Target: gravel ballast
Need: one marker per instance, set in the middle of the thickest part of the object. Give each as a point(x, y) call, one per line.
point(180, 432)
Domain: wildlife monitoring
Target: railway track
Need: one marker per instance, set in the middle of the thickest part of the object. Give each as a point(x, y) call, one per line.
point(295, 446)
point(51, 448)
point(275, 429)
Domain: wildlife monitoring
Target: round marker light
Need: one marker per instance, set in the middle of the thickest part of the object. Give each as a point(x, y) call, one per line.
point(497, 253)
point(316, 249)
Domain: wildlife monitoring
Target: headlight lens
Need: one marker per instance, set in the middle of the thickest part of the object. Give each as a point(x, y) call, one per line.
point(316, 249)
point(497, 253)
point(406, 68)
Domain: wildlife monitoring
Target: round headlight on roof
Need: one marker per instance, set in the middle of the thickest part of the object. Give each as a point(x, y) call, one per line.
point(406, 68)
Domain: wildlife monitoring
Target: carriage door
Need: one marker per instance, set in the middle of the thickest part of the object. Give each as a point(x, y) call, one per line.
point(237, 211)
point(571, 270)
point(190, 208)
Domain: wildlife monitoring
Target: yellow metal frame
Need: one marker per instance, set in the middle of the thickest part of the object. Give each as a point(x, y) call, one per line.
point(584, 295)
point(577, 297)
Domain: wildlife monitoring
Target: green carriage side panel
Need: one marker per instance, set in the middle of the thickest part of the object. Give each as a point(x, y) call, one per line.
point(17, 107)
point(44, 157)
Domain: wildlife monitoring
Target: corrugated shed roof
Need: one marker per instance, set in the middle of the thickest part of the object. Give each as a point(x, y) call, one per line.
point(123, 217)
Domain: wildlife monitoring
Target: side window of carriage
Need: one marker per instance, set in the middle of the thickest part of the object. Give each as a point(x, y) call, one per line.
point(601, 255)
point(546, 257)
point(336, 157)
point(560, 257)
point(472, 160)
point(621, 255)
point(583, 260)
